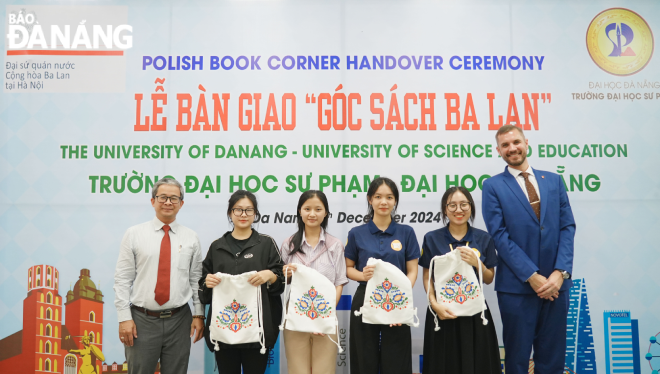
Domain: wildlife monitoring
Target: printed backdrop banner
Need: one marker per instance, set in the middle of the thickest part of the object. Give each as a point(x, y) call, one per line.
point(277, 97)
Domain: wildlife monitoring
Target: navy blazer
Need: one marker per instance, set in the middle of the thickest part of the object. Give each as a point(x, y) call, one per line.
point(525, 245)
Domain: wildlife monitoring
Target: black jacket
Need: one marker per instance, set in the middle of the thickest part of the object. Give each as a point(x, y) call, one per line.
point(264, 255)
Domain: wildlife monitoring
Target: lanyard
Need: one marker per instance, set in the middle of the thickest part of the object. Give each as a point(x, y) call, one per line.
point(467, 244)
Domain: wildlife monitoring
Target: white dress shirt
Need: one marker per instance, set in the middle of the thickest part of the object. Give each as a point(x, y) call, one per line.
point(137, 268)
point(521, 181)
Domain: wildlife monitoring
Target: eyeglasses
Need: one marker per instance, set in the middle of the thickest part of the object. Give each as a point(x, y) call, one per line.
point(172, 199)
point(465, 206)
point(239, 212)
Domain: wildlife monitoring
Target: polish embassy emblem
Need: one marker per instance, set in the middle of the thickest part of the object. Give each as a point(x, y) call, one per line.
point(620, 41)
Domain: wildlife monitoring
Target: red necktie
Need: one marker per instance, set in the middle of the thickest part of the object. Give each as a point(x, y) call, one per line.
point(164, 265)
point(534, 200)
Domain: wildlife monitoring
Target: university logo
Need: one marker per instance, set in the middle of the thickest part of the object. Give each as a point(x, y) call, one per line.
point(620, 41)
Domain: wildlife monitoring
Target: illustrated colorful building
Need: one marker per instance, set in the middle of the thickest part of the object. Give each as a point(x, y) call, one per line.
point(116, 368)
point(580, 353)
point(621, 333)
point(43, 345)
point(502, 359)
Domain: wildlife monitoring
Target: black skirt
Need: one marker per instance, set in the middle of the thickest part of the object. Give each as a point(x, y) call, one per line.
point(461, 346)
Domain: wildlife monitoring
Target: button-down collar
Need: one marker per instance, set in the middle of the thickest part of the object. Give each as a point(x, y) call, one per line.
point(321, 239)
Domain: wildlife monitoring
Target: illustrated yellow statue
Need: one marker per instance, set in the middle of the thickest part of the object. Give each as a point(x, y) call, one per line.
point(88, 355)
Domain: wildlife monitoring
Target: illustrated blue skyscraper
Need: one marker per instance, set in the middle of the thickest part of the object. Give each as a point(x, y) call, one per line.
point(586, 355)
point(621, 342)
point(572, 323)
point(580, 354)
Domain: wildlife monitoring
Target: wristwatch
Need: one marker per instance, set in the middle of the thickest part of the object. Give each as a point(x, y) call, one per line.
point(564, 274)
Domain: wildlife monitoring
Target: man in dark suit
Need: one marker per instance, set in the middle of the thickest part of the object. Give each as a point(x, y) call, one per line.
point(528, 214)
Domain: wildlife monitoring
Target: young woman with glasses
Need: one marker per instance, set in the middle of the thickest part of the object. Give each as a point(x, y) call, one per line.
point(463, 345)
point(312, 246)
point(238, 251)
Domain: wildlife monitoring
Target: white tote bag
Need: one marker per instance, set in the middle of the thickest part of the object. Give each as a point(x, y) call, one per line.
point(388, 298)
point(237, 315)
point(312, 301)
point(456, 286)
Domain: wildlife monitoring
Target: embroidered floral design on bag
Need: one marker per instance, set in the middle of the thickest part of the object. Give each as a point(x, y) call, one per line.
point(459, 289)
point(388, 297)
point(313, 305)
point(234, 317)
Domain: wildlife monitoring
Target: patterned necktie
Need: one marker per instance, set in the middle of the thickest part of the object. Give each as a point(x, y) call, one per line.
point(534, 200)
point(164, 265)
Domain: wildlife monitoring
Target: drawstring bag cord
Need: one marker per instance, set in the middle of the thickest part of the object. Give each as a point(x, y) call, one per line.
point(370, 261)
point(215, 342)
point(481, 283)
point(285, 299)
point(359, 311)
point(415, 324)
point(483, 295)
point(428, 295)
point(262, 337)
point(339, 347)
point(262, 340)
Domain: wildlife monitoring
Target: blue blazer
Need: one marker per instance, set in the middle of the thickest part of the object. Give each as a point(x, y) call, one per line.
point(524, 244)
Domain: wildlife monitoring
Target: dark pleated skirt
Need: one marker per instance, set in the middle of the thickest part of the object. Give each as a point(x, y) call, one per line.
point(461, 346)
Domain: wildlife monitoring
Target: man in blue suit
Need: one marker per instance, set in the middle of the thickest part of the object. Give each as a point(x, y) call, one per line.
point(528, 214)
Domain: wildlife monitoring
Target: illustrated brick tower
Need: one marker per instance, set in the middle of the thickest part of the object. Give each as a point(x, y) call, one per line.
point(84, 311)
point(42, 321)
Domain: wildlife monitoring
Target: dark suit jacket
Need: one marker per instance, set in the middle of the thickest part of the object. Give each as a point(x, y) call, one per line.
point(525, 245)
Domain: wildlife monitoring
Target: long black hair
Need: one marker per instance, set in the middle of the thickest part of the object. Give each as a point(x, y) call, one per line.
point(238, 195)
point(448, 194)
point(296, 240)
point(373, 187)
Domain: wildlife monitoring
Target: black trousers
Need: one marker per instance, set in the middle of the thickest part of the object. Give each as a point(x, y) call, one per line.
point(230, 361)
point(378, 348)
